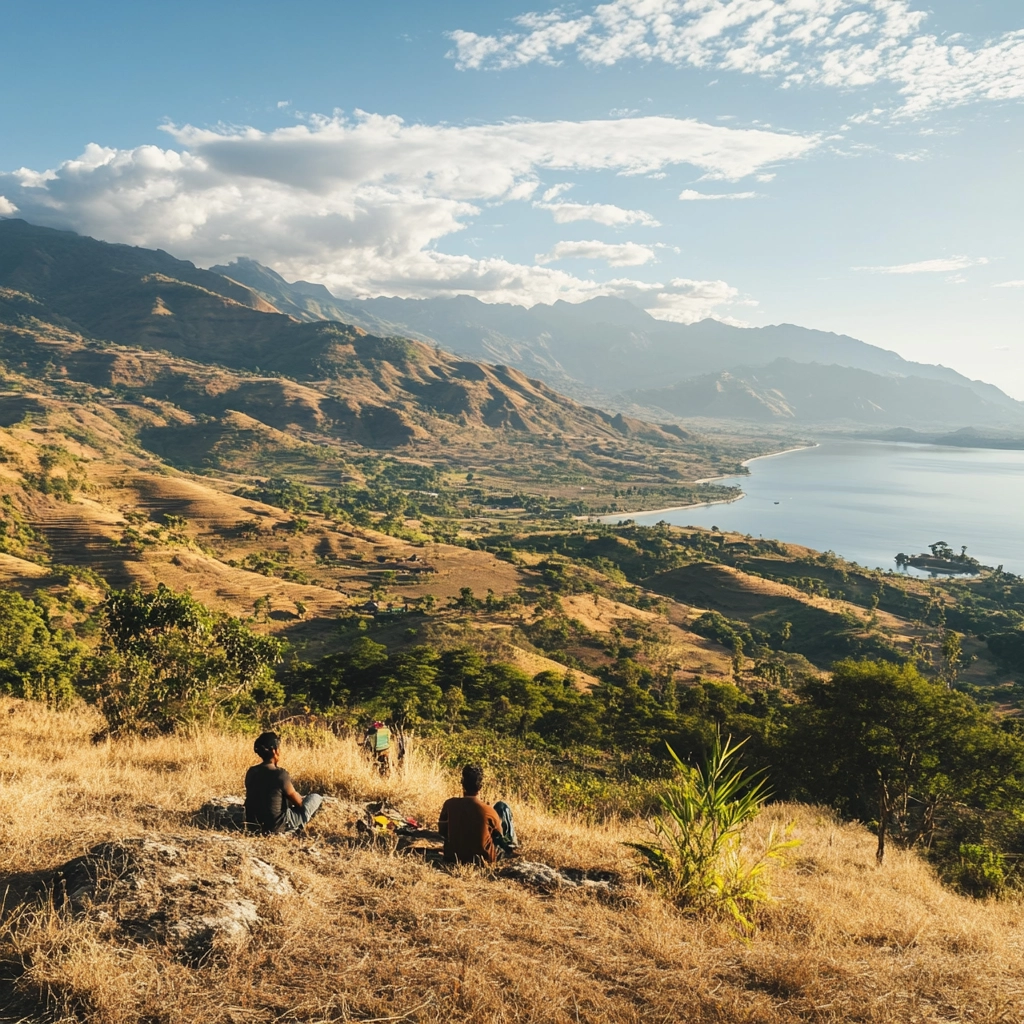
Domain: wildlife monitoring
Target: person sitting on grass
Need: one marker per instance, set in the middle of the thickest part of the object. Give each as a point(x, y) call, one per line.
point(475, 832)
point(272, 803)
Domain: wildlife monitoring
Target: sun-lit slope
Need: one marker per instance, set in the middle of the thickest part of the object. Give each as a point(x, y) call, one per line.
point(823, 628)
point(104, 505)
point(84, 279)
point(383, 391)
point(365, 934)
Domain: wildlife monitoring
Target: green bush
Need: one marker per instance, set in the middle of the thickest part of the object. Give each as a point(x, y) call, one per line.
point(697, 858)
point(979, 871)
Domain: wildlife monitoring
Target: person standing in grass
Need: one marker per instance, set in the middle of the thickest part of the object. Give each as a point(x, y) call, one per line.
point(475, 832)
point(272, 804)
point(378, 742)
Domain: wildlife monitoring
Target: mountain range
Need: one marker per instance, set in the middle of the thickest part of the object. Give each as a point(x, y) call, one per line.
point(208, 364)
point(608, 351)
point(811, 393)
point(388, 371)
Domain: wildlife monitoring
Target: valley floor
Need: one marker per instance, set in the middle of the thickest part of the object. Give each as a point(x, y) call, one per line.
point(340, 931)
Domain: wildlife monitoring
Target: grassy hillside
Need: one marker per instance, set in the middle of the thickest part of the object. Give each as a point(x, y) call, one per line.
point(193, 547)
point(341, 930)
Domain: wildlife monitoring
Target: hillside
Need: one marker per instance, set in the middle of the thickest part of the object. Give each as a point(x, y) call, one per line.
point(606, 346)
point(193, 548)
point(810, 393)
point(205, 369)
point(188, 924)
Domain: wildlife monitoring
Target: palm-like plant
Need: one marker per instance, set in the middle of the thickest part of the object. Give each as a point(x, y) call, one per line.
point(697, 858)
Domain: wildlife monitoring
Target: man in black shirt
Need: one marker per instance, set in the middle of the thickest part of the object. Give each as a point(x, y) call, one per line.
point(272, 803)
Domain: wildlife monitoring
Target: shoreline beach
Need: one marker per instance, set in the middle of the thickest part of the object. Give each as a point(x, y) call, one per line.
point(619, 516)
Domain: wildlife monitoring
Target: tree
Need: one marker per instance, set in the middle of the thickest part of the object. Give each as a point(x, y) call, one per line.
point(737, 658)
point(38, 661)
point(260, 607)
point(408, 692)
point(881, 742)
point(167, 661)
point(952, 655)
point(773, 670)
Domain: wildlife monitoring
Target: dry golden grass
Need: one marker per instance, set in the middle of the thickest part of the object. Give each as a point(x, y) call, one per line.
point(373, 935)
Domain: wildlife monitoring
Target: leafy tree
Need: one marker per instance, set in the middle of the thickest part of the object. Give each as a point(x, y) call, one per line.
point(952, 655)
point(881, 742)
point(408, 691)
point(1008, 648)
point(572, 717)
point(38, 661)
point(167, 661)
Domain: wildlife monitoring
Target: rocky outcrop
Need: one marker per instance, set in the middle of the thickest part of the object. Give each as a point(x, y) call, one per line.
point(545, 877)
point(194, 894)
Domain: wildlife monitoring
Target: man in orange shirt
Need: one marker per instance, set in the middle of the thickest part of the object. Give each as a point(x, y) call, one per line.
point(475, 832)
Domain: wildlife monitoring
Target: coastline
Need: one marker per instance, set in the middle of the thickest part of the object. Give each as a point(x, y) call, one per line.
point(620, 516)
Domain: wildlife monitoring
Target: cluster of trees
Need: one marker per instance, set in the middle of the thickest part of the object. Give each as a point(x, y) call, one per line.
point(876, 740)
point(164, 661)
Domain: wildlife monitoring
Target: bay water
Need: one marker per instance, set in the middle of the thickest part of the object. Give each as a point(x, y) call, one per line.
point(868, 500)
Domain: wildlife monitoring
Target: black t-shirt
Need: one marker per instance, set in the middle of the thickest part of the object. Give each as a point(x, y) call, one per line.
point(265, 801)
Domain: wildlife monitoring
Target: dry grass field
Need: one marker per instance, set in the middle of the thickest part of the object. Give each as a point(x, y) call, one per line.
point(362, 933)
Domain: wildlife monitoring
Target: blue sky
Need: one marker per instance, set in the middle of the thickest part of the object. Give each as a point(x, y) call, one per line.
point(866, 158)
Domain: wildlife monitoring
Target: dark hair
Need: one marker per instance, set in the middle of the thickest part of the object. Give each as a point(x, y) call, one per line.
point(266, 743)
point(472, 779)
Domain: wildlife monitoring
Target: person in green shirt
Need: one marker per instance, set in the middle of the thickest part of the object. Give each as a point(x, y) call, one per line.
point(378, 743)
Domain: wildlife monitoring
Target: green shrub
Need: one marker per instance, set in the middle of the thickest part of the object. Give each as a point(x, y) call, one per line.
point(697, 859)
point(979, 871)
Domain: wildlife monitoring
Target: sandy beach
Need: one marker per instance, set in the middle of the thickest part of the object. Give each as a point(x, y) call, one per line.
point(620, 516)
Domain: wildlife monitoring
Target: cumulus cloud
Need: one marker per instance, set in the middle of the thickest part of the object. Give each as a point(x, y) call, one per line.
point(600, 213)
point(838, 43)
point(7, 208)
point(361, 205)
point(615, 254)
point(943, 265)
point(686, 301)
point(691, 195)
point(1009, 284)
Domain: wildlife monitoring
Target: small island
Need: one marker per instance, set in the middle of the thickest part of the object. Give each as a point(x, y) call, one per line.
point(943, 559)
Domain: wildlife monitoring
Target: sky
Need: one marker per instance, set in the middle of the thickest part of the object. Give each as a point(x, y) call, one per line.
point(850, 166)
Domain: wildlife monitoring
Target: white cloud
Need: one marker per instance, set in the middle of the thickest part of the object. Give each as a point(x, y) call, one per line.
point(944, 265)
point(686, 301)
point(600, 213)
point(1009, 284)
point(838, 43)
point(281, 104)
point(691, 195)
point(555, 191)
point(7, 208)
point(615, 254)
point(361, 205)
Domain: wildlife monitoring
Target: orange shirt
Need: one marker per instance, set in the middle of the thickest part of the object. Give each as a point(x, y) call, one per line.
point(468, 826)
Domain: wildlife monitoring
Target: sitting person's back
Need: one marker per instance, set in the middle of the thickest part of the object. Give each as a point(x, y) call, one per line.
point(264, 797)
point(473, 831)
point(272, 803)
